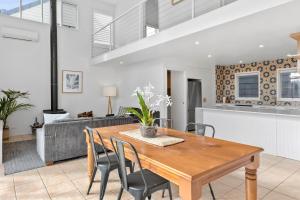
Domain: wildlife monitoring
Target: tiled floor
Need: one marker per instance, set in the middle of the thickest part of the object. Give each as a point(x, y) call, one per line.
point(278, 179)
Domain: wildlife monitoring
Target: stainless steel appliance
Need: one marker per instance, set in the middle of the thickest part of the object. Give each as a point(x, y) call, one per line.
point(194, 98)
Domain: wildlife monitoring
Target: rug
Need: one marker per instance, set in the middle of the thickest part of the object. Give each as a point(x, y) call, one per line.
point(20, 156)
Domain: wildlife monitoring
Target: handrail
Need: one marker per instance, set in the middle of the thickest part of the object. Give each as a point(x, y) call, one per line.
point(125, 13)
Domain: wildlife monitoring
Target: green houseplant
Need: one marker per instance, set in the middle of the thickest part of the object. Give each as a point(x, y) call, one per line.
point(9, 103)
point(149, 103)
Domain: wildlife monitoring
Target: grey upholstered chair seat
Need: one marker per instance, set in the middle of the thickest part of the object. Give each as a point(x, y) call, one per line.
point(154, 181)
point(113, 161)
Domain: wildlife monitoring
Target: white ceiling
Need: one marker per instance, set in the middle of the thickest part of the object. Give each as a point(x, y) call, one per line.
point(232, 42)
point(109, 1)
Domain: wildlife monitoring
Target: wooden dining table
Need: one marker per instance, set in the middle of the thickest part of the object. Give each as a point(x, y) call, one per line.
point(190, 164)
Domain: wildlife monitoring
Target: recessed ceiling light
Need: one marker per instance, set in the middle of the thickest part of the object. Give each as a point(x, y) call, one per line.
point(261, 46)
point(241, 61)
point(209, 56)
point(121, 62)
point(197, 43)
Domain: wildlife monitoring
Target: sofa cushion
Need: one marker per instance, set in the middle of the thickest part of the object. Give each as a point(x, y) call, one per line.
point(50, 118)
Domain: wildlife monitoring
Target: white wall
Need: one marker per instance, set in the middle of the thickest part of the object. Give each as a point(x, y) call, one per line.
point(139, 75)
point(127, 29)
point(25, 66)
point(168, 13)
point(193, 71)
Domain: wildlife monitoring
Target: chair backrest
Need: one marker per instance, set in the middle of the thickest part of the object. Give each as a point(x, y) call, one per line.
point(200, 129)
point(96, 157)
point(122, 111)
point(118, 146)
point(163, 122)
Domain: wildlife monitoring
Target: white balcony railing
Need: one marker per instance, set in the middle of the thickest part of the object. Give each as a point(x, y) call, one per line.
point(147, 18)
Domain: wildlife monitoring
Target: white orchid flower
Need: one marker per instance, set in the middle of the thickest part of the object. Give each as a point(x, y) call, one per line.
point(138, 90)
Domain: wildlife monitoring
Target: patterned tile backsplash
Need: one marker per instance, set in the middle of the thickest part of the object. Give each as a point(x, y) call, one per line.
point(225, 81)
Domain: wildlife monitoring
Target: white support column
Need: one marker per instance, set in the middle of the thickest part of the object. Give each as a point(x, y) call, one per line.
point(141, 20)
point(193, 8)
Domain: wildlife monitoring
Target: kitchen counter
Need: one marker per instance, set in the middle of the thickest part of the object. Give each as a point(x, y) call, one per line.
point(256, 109)
point(276, 129)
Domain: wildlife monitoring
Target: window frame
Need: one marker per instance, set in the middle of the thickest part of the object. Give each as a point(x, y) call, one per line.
point(62, 17)
point(236, 75)
point(279, 71)
point(112, 29)
point(59, 22)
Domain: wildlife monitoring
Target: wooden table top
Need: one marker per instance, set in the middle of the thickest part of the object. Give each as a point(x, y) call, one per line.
point(191, 159)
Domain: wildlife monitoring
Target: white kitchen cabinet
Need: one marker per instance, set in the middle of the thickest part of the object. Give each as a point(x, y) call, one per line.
point(277, 133)
point(288, 137)
point(247, 128)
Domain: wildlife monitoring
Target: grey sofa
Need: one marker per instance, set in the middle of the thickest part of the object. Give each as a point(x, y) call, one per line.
point(64, 139)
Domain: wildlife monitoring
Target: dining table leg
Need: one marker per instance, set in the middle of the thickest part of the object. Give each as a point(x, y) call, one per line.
point(90, 160)
point(251, 179)
point(190, 190)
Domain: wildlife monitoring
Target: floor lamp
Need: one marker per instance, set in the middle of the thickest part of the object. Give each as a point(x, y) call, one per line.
point(109, 91)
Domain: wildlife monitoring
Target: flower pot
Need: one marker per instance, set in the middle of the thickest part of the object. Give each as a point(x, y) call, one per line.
point(5, 133)
point(148, 131)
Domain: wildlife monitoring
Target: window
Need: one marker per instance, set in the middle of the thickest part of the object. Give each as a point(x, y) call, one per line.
point(39, 11)
point(32, 10)
point(103, 37)
point(288, 89)
point(69, 15)
point(247, 85)
point(10, 7)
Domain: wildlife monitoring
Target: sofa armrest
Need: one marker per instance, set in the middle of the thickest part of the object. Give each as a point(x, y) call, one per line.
point(40, 142)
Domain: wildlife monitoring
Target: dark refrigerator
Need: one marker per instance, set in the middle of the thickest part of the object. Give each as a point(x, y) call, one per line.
point(194, 98)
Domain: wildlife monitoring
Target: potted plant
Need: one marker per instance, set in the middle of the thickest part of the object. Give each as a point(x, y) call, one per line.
point(149, 103)
point(9, 104)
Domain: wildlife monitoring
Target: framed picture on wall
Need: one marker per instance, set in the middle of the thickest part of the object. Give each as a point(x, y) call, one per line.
point(174, 2)
point(72, 81)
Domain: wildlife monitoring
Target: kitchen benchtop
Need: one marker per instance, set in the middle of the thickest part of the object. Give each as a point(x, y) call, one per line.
point(272, 110)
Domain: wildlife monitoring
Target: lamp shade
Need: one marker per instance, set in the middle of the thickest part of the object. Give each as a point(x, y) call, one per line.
point(109, 91)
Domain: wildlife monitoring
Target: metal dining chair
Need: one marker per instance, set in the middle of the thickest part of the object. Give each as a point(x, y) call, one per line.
point(200, 129)
point(140, 184)
point(163, 122)
point(105, 163)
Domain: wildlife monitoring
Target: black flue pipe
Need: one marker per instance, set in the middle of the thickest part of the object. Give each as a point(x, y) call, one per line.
point(53, 44)
point(54, 62)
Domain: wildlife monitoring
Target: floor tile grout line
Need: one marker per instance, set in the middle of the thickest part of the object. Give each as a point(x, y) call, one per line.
point(15, 188)
point(273, 189)
point(273, 165)
point(78, 189)
point(283, 182)
point(44, 184)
